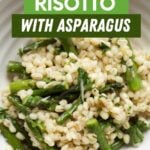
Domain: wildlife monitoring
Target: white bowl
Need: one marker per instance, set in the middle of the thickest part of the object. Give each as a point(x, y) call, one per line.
point(9, 46)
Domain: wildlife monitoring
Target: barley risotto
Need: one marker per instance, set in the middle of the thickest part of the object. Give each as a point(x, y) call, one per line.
point(76, 94)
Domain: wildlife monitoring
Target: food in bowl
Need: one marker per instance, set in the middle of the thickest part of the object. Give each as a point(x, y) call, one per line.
point(76, 94)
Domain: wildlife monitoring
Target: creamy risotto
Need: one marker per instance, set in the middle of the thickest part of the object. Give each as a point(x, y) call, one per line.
point(76, 94)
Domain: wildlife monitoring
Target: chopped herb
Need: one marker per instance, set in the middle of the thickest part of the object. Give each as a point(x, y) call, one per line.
point(104, 47)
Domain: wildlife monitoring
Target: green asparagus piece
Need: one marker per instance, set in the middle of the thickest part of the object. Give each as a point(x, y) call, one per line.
point(21, 85)
point(11, 138)
point(49, 105)
point(68, 96)
point(129, 43)
point(83, 76)
point(18, 124)
point(34, 128)
point(68, 46)
point(72, 90)
point(94, 126)
point(67, 114)
point(59, 50)
point(20, 128)
point(104, 47)
point(110, 87)
point(15, 67)
point(15, 100)
point(133, 79)
point(54, 88)
point(3, 114)
point(84, 82)
point(31, 101)
point(36, 131)
point(117, 145)
point(42, 103)
point(136, 136)
point(86, 85)
point(47, 80)
point(105, 123)
point(143, 126)
point(36, 45)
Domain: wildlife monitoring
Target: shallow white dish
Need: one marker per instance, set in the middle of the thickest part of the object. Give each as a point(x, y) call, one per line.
point(9, 46)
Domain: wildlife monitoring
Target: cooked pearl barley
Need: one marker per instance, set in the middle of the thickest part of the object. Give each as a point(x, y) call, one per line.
point(49, 140)
point(37, 76)
point(33, 116)
point(58, 60)
point(22, 94)
point(20, 136)
point(122, 41)
point(40, 84)
point(21, 116)
point(12, 129)
point(126, 138)
point(69, 78)
point(120, 135)
point(104, 115)
point(37, 62)
point(8, 147)
point(8, 124)
point(59, 108)
point(63, 103)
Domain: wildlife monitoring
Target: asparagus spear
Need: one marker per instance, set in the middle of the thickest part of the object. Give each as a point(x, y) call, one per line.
point(21, 85)
point(66, 115)
point(42, 103)
point(104, 47)
point(11, 138)
point(111, 87)
point(54, 88)
point(84, 82)
point(74, 90)
point(117, 145)
point(36, 131)
point(133, 79)
point(19, 126)
point(59, 50)
point(143, 126)
point(34, 128)
point(16, 102)
point(49, 105)
point(68, 46)
point(31, 101)
point(136, 136)
point(83, 77)
point(68, 96)
point(36, 45)
point(17, 68)
point(94, 126)
point(3, 114)
point(135, 131)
